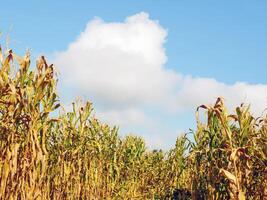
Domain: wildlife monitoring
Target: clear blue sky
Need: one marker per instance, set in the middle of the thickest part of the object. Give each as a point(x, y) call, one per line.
point(224, 40)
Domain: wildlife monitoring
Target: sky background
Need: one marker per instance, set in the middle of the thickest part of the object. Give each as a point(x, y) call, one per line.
point(146, 65)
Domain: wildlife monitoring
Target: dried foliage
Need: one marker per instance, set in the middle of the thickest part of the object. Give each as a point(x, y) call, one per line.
point(74, 156)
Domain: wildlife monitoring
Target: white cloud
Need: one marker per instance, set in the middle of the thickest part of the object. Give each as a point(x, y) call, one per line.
point(120, 66)
point(196, 91)
point(124, 117)
point(120, 63)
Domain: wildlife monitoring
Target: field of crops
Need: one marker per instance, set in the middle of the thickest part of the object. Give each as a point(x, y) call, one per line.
point(75, 156)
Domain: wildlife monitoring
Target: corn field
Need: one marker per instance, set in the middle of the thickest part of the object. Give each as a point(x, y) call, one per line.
point(72, 155)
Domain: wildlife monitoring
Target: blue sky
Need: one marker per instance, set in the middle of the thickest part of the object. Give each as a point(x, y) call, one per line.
point(217, 42)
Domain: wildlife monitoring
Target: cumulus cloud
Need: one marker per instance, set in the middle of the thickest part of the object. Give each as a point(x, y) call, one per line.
point(124, 117)
point(121, 67)
point(120, 63)
point(196, 91)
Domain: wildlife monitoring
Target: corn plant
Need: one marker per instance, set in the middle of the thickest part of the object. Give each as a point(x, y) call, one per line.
point(226, 151)
point(68, 155)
